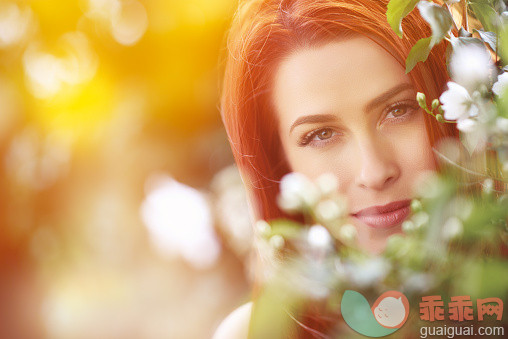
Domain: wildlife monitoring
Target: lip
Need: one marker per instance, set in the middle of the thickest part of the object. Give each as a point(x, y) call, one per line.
point(385, 216)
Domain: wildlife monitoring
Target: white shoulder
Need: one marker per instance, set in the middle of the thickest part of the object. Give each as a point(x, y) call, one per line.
point(236, 324)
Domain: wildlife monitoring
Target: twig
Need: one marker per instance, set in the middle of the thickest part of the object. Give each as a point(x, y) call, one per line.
point(465, 23)
point(453, 19)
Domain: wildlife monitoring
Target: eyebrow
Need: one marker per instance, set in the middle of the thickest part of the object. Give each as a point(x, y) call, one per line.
point(387, 95)
point(313, 119)
point(320, 118)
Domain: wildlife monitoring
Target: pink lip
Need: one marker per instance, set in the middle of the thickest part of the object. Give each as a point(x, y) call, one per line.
point(385, 216)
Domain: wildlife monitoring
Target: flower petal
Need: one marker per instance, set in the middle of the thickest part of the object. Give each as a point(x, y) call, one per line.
point(455, 102)
point(501, 84)
point(466, 125)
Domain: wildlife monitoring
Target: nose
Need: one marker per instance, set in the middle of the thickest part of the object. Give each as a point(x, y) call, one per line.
point(378, 166)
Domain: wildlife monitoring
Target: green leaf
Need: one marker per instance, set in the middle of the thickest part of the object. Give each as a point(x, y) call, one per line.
point(439, 19)
point(285, 228)
point(419, 52)
point(484, 12)
point(490, 38)
point(503, 44)
point(396, 11)
point(498, 5)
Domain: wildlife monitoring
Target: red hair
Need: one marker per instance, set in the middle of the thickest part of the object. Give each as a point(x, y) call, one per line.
point(265, 31)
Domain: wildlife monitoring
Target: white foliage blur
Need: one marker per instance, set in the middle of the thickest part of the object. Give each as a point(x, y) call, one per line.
point(457, 103)
point(179, 222)
point(297, 192)
point(38, 161)
point(365, 273)
point(232, 209)
point(501, 84)
point(319, 237)
point(126, 20)
point(15, 24)
point(471, 66)
point(47, 74)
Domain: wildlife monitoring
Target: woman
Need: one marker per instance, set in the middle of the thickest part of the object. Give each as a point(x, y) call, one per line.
point(318, 86)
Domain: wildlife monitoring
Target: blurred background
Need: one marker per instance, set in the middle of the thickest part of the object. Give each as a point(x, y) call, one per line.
point(122, 214)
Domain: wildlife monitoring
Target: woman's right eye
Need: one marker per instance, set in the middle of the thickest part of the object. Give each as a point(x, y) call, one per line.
point(324, 134)
point(319, 137)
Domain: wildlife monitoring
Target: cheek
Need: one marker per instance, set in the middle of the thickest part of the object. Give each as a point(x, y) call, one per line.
point(311, 164)
point(415, 151)
point(340, 160)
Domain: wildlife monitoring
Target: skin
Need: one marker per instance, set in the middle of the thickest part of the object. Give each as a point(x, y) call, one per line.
point(348, 108)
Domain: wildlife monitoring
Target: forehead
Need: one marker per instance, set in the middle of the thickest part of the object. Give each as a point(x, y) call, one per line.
point(338, 74)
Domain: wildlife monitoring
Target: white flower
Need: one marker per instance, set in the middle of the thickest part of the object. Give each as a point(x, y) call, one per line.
point(327, 183)
point(462, 207)
point(408, 226)
point(466, 125)
point(502, 124)
point(501, 84)
point(276, 241)
point(262, 228)
point(296, 192)
point(419, 282)
point(488, 186)
point(420, 219)
point(340, 269)
point(347, 232)
point(452, 228)
point(329, 210)
point(457, 103)
point(369, 272)
point(471, 66)
point(289, 202)
point(319, 237)
point(179, 222)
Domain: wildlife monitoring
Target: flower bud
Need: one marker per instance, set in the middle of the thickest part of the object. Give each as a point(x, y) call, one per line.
point(263, 228)
point(408, 226)
point(416, 205)
point(329, 210)
point(276, 241)
point(420, 97)
point(327, 183)
point(488, 186)
point(420, 219)
point(347, 233)
point(439, 117)
point(502, 124)
point(435, 103)
point(319, 237)
point(452, 228)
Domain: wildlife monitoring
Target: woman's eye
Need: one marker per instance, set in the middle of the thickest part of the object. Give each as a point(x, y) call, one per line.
point(324, 134)
point(318, 137)
point(401, 110)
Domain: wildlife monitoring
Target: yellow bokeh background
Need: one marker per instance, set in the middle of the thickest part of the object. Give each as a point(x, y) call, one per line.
point(118, 191)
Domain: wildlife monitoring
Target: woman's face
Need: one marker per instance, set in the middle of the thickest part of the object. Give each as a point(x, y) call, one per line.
point(348, 108)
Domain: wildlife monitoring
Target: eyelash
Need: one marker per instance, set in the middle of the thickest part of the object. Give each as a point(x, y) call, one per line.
point(309, 137)
point(410, 105)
